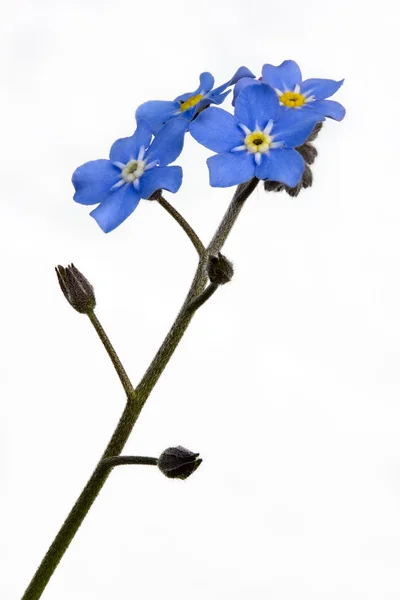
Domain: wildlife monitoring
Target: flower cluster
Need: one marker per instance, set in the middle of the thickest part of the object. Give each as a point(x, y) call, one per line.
point(275, 117)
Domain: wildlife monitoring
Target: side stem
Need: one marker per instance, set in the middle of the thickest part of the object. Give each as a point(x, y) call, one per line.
point(114, 461)
point(122, 374)
point(190, 232)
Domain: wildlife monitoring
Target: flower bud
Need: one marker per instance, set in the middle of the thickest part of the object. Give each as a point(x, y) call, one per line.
point(178, 463)
point(219, 269)
point(314, 134)
point(76, 288)
point(309, 154)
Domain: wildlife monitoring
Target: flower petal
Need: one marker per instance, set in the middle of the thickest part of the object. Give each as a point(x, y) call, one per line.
point(205, 85)
point(116, 208)
point(212, 99)
point(126, 149)
point(320, 88)
point(244, 82)
point(218, 95)
point(230, 168)
point(284, 78)
point(217, 130)
point(160, 178)
point(293, 126)
point(240, 73)
point(157, 112)
point(256, 105)
point(93, 181)
point(286, 166)
point(168, 143)
point(329, 108)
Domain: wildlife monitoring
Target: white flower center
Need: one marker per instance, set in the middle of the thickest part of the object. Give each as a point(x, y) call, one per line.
point(133, 170)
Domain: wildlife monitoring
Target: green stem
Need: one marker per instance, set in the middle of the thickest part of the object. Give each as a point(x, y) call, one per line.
point(192, 235)
point(134, 405)
point(202, 297)
point(114, 461)
point(242, 193)
point(126, 384)
point(183, 319)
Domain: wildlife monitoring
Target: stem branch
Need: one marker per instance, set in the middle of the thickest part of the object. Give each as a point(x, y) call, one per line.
point(126, 383)
point(114, 461)
point(192, 235)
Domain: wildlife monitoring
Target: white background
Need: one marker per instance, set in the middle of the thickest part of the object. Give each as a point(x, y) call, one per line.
point(287, 381)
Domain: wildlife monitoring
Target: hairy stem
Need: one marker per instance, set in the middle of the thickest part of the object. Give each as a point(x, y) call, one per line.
point(126, 384)
point(183, 319)
point(192, 235)
point(202, 297)
point(135, 404)
point(114, 461)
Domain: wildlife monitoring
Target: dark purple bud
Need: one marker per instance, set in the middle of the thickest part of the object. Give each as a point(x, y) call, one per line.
point(219, 269)
point(309, 154)
point(178, 462)
point(76, 288)
point(314, 134)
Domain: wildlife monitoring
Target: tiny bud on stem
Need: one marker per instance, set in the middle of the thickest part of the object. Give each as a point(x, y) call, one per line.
point(76, 288)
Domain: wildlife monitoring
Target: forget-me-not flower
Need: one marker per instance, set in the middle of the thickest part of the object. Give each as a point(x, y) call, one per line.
point(135, 170)
point(294, 93)
point(158, 112)
point(259, 140)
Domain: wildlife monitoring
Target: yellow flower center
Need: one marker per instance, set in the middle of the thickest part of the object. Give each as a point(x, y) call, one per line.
point(190, 102)
point(292, 99)
point(133, 170)
point(257, 142)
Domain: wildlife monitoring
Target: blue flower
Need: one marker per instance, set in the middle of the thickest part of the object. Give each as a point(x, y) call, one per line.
point(310, 94)
point(135, 170)
point(258, 141)
point(158, 112)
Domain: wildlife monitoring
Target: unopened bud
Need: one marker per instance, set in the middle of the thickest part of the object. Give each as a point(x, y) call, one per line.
point(219, 269)
point(178, 462)
point(314, 134)
point(309, 154)
point(76, 288)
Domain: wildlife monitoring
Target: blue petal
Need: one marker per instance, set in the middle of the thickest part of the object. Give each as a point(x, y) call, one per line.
point(157, 112)
point(215, 98)
point(206, 84)
point(93, 181)
point(293, 126)
point(284, 78)
point(119, 205)
point(256, 105)
point(168, 143)
point(240, 73)
point(160, 178)
point(230, 168)
point(286, 166)
point(217, 130)
point(329, 108)
point(126, 149)
point(241, 85)
point(320, 88)
point(211, 98)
